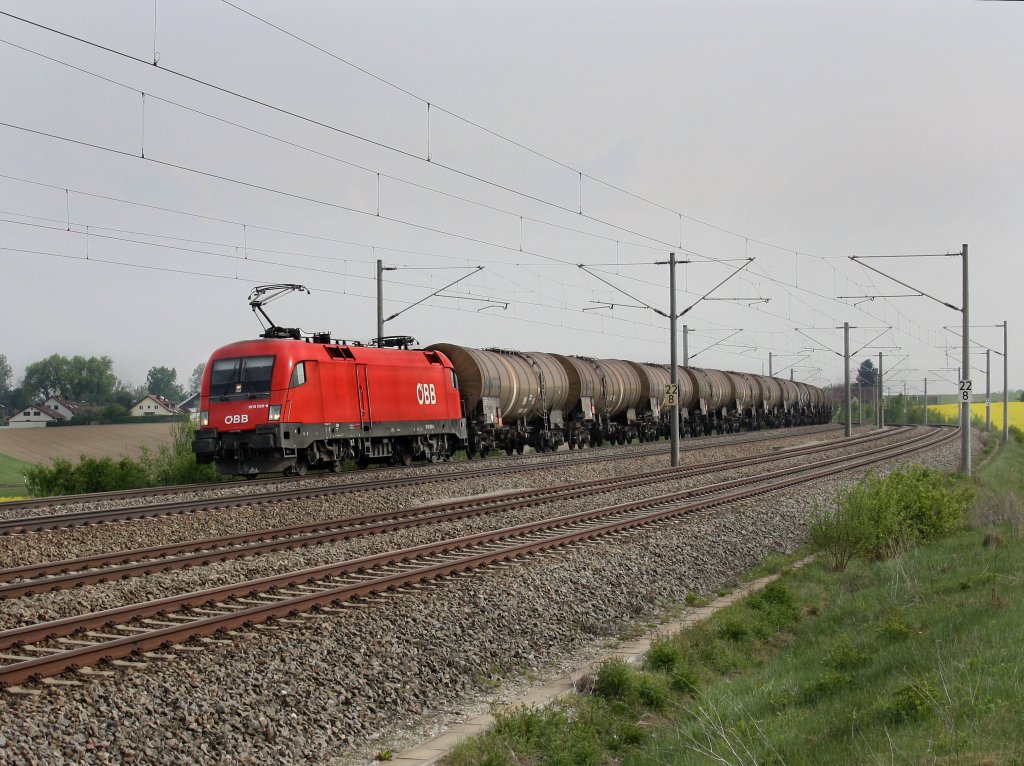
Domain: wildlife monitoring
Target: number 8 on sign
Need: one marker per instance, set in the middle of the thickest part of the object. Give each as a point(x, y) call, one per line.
point(965, 390)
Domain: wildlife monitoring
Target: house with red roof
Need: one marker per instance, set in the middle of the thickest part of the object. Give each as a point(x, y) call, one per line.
point(35, 416)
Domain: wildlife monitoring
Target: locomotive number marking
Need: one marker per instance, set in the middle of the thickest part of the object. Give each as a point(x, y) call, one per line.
point(235, 419)
point(425, 393)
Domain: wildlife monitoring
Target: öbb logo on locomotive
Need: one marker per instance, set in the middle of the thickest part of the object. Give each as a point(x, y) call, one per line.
point(329, 401)
point(425, 393)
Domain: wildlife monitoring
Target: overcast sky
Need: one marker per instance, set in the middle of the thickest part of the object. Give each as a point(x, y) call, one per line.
point(793, 133)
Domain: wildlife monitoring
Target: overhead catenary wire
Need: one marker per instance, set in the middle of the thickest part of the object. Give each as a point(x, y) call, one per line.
point(542, 222)
point(747, 239)
point(295, 115)
point(292, 195)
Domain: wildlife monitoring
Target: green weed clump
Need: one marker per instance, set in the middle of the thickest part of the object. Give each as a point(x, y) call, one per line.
point(166, 466)
point(882, 515)
point(1018, 434)
point(909, 703)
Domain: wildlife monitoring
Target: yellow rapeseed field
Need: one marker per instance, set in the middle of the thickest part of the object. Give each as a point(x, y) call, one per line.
point(978, 412)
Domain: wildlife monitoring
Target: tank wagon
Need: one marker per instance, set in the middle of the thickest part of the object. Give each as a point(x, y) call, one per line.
point(511, 399)
point(288, 404)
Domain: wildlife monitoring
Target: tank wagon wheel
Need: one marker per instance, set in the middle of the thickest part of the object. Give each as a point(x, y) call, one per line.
point(336, 466)
point(299, 468)
point(520, 448)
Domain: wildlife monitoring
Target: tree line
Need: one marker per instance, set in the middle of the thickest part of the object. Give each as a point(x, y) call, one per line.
point(89, 380)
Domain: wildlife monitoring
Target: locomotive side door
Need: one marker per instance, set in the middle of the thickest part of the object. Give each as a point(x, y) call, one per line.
point(363, 397)
point(304, 402)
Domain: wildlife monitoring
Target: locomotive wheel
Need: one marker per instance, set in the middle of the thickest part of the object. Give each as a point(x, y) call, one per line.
point(572, 444)
point(509, 450)
point(405, 454)
point(519, 449)
point(362, 461)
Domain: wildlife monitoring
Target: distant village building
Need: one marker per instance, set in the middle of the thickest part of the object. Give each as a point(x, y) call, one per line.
point(153, 404)
point(191, 406)
point(35, 416)
point(62, 406)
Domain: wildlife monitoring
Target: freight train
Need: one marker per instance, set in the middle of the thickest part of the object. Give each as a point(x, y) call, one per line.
point(282, 403)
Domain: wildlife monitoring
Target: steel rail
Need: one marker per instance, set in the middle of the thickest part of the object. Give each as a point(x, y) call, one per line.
point(285, 605)
point(80, 518)
point(19, 581)
point(143, 492)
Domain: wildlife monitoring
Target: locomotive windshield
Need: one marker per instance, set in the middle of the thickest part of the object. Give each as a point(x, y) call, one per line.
point(244, 377)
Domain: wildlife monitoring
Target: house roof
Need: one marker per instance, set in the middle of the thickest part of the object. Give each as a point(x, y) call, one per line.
point(64, 402)
point(191, 400)
point(42, 408)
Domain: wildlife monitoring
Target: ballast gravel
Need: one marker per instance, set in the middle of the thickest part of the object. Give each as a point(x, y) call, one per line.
point(54, 605)
point(349, 478)
point(337, 688)
point(54, 545)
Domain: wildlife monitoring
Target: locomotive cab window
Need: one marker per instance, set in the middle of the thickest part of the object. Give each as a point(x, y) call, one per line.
point(244, 377)
point(298, 375)
point(455, 379)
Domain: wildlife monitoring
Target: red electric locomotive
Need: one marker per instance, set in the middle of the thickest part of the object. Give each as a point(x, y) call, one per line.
point(282, 403)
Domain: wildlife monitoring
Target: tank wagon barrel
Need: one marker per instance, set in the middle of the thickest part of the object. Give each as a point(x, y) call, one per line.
point(749, 399)
point(512, 398)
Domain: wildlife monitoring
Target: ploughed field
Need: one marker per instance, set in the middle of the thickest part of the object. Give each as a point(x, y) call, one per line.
point(338, 685)
point(42, 445)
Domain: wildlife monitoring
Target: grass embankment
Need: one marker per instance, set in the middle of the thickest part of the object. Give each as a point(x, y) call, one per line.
point(12, 477)
point(912, 658)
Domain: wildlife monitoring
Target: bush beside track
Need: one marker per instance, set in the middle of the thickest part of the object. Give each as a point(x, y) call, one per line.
point(165, 466)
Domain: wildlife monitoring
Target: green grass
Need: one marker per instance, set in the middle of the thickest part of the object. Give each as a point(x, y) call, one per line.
point(916, 658)
point(12, 478)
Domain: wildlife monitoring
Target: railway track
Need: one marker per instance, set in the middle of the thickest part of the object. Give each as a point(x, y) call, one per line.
point(68, 573)
point(194, 505)
point(48, 649)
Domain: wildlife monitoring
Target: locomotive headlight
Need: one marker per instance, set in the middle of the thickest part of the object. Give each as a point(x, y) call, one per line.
point(275, 413)
point(204, 418)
